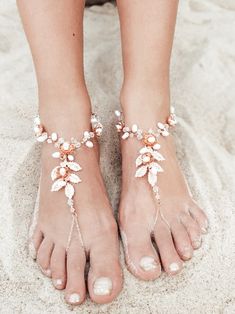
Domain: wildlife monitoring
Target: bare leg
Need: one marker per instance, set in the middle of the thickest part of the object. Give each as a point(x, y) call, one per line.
point(147, 30)
point(54, 29)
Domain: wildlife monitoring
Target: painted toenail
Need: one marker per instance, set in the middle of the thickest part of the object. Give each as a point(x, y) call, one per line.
point(102, 286)
point(204, 230)
point(174, 267)
point(47, 272)
point(148, 263)
point(57, 282)
point(197, 243)
point(74, 298)
point(187, 253)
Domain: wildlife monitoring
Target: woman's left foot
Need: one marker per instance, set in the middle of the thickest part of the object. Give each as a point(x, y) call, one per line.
point(180, 223)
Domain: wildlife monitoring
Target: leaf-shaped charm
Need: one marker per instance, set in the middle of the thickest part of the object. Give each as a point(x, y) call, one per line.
point(155, 167)
point(158, 156)
point(145, 150)
point(54, 173)
point(69, 190)
point(74, 178)
point(141, 171)
point(57, 185)
point(56, 155)
point(152, 178)
point(138, 161)
point(74, 166)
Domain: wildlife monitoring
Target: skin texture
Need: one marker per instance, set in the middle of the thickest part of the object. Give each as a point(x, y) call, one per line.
point(147, 30)
point(55, 33)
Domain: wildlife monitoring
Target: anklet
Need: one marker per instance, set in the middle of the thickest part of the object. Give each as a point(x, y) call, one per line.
point(63, 176)
point(147, 163)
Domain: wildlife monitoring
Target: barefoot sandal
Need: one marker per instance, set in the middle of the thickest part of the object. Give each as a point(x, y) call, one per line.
point(63, 175)
point(147, 163)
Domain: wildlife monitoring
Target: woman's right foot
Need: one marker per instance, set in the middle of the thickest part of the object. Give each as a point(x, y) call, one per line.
point(96, 220)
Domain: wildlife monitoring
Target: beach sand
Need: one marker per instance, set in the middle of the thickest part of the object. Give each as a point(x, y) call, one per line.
point(203, 77)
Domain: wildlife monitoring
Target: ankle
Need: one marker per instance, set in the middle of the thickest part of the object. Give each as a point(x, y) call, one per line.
point(145, 104)
point(66, 113)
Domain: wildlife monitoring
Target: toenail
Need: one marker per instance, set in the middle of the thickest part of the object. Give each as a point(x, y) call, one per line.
point(174, 267)
point(57, 282)
point(102, 286)
point(187, 253)
point(204, 230)
point(148, 263)
point(47, 272)
point(197, 243)
point(74, 298)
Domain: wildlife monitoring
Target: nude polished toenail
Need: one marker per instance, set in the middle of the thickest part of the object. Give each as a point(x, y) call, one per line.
point(74, 298)
point(47, 272)
point(102, 286)
point(197, 243)
point(148, 263)
point(174, 267)
point(58, 282)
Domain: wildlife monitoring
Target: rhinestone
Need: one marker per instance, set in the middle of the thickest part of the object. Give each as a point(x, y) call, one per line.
point(117, 113)
point(54, 137)
point(134, 128)
point(70, 157)
point(89, 144)
point(37, 120)
point(125, 135)
point(126, 129)
point(151, 139)
point(146, 158)
point(160, 125)
point(62, 171)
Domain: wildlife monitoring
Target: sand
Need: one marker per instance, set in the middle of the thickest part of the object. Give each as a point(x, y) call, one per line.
point(203, 72)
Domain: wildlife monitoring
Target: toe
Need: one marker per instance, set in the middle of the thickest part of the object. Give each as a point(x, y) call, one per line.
point(75, 287)
point(199, 215)
point(170, 259)
point(44, 256)
point(57, 266)
point(141, 257)
point(193, 230)
point(105, 275)
point(34, 243)
point(181, 240)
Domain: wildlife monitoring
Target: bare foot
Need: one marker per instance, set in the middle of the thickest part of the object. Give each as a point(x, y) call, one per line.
point(66, 268)
point(180, 223)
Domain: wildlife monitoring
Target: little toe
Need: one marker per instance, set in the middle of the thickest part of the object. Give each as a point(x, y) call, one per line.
point(170, 259)
point(75, 287)
point(141, 257)
point(105, 274)
point(44, 256)
point(193, 230)
point(57, 266)
point(201, 218)
point(35, 242)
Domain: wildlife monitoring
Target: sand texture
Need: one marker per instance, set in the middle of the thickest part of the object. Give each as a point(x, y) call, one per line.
point(203, 73)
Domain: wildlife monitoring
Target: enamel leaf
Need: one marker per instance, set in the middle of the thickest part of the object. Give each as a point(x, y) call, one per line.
point(145, 150)
point(152, 178)
point(141, 171)
point(57, 185)
point(158, 156)
point(155, 165)
point(74, 166)
point(138, 161)
point(69, 190)
point(54, 173)
point(74, 178)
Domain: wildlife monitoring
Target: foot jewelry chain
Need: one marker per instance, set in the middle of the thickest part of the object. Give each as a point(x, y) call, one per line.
point(147, 163)
point(64, 176)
